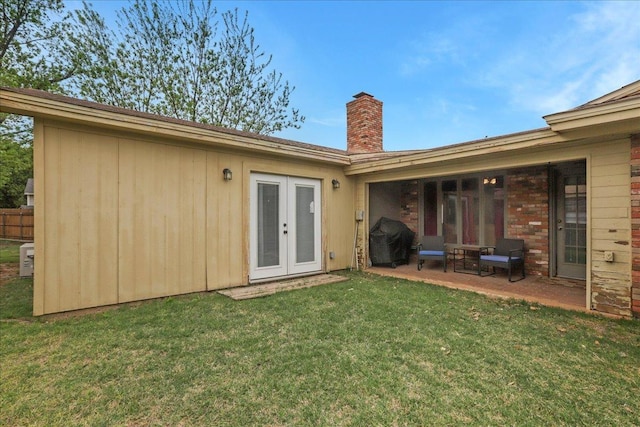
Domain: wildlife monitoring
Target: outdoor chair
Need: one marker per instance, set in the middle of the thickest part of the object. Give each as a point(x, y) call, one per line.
point(432, 248)
point(507, 254)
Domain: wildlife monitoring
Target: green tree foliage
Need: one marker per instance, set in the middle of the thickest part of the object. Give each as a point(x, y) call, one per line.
point(180, 58)
point(169, 58)
point(16, 166)
point(34, 49)
point(35, 53)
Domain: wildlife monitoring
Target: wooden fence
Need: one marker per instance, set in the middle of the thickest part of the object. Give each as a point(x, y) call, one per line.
point(16, 224)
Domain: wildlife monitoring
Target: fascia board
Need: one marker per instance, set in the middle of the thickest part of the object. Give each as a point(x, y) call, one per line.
point(28, 105)
point(619, 111)
point(469, 150)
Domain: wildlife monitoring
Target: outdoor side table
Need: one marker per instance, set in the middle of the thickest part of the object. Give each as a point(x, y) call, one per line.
point(466, 258)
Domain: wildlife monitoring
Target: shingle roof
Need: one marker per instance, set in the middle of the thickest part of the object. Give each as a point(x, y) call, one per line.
point(632, 90)
point(28, 189)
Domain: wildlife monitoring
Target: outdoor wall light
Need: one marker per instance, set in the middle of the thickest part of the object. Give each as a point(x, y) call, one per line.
point(335, 183)
point(226, 173)
point(491, 181)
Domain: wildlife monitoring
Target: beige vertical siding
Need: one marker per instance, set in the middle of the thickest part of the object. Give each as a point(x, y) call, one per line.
point(226, 253)
point(80, 204)
point(339, 223)
point(161, 220)
point(39, 234)
point(610, 226)
point(123, 219)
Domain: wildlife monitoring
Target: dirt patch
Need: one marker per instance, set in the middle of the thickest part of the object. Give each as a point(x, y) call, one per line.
point(9, 271)
point(78, 313)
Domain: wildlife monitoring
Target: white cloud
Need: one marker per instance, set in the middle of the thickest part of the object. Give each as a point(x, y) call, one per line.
point(333, 118)
point(598, 53)
point(430, 49)
point(328, 121)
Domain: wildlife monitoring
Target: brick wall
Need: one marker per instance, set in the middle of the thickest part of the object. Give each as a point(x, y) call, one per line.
point(364, 124)
point(409, 206)
point(528, 215)
point(635, 224)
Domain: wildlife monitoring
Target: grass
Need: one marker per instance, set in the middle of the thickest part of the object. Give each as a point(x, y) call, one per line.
point(9, 251)
point(368, 351)
point(17, 294)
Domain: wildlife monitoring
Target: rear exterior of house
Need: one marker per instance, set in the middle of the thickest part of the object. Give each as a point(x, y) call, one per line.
point(132, 206)
point(570, 191)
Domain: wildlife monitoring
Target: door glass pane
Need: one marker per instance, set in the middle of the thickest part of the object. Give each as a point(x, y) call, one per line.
point(305, 211)
point(268, 228)
point(493, 188)
point(470, 200)
point(575, 219)
point(449, 208)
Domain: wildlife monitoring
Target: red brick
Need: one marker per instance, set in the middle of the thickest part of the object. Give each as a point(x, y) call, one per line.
point(527, 202)
point(364, 124)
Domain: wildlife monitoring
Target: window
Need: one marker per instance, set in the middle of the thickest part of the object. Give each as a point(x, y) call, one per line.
point(465, 210)
point(450, 211)
point(493, 192)
point(470, 206)
point(575, 208)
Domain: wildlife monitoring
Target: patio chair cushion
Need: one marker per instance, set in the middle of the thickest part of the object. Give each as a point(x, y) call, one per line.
point(498, 258)
point(431, 253)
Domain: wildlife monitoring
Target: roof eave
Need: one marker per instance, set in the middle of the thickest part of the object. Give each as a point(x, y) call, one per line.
point(519, 141)
point(623, 116)
point(30, 105)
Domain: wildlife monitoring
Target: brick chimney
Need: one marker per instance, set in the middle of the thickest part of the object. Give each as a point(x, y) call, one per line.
point(364, 124)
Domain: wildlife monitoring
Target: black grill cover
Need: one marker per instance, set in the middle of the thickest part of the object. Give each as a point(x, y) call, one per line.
point(390, 242)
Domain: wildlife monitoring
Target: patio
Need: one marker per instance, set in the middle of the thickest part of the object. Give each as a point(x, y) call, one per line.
point(562, 293)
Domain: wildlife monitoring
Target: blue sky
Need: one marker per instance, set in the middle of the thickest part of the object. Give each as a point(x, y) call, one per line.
point(447, 72)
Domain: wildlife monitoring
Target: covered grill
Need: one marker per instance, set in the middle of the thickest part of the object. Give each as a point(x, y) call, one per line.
point(390, 242)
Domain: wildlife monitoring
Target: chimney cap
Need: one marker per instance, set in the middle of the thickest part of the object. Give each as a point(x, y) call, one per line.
point(362, 94)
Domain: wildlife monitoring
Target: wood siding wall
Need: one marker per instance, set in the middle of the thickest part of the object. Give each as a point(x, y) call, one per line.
point(120, 218)
point(77, 202)
point(161, 220)
point(610, 227)
point(635, 224)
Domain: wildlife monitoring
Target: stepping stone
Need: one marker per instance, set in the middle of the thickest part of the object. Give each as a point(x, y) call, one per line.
point(261, 290)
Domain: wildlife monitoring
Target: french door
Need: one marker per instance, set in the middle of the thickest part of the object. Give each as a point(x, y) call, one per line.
point(571, 221)
point(285, 226)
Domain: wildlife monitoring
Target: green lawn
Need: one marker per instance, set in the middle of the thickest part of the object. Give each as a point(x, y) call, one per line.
point(370, 351)
point(9, 251)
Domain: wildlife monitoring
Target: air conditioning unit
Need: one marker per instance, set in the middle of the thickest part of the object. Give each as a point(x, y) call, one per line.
point(26, 260)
